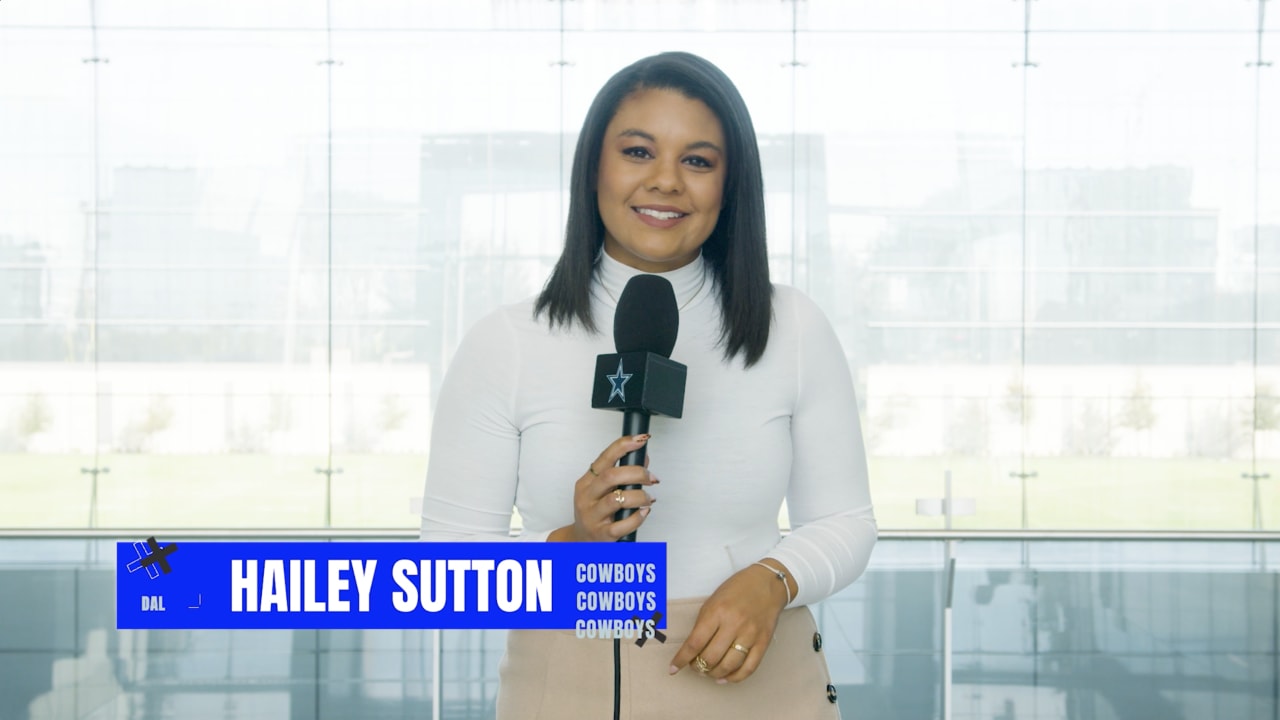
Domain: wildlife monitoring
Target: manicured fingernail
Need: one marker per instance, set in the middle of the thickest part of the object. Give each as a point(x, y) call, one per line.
point(644, 511)
point(673, 670)
point(722, 681)
point(642, 439)
point(653, 479)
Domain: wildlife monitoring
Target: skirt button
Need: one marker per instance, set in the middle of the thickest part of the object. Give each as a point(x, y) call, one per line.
point(831, 693)
point(817, 642)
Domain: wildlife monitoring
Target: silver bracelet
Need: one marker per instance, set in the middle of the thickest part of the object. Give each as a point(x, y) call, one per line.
point(781, 576)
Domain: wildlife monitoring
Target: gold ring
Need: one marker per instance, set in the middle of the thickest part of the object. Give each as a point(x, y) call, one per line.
point(743, 650)
point(617, 495)
point(592, 470)
point(701, 665)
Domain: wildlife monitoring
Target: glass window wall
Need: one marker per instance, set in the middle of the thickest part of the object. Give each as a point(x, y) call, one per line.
point(239, 244)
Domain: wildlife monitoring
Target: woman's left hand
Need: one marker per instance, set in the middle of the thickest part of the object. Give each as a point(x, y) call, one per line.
point(734, 627)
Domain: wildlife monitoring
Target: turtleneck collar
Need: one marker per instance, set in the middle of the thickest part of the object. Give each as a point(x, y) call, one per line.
point(688, 281)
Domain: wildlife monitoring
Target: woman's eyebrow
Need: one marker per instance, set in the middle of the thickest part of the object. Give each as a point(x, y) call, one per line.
point(697, 145)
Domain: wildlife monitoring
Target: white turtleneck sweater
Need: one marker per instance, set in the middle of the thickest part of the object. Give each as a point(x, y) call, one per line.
point(514, 426)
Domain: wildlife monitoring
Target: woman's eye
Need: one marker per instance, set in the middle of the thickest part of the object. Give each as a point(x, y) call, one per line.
point(637, 152)
point(698, 161)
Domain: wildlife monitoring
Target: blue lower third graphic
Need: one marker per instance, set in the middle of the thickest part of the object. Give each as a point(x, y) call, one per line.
point(604, 587)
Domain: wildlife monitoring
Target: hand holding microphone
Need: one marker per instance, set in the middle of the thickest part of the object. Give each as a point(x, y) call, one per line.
point(640, 379)
point(599, 495)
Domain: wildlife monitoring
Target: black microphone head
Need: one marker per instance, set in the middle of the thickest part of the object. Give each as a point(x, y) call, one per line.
point(647, 319)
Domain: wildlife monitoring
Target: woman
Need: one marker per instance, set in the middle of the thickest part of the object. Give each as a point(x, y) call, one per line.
point(666, 179)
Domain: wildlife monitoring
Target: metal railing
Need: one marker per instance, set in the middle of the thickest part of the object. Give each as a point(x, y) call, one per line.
point(944, 579)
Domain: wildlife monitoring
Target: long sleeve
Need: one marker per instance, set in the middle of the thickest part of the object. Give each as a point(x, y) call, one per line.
point(475, 442)
point(828, 497)
point(514, 426)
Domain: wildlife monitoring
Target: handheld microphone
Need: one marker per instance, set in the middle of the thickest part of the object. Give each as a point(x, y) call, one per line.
point(641, 379)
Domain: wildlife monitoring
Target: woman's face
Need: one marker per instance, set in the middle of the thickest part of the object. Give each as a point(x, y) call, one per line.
point(661, 181)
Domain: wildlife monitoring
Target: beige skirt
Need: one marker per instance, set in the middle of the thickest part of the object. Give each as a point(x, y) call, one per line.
point(556, 675)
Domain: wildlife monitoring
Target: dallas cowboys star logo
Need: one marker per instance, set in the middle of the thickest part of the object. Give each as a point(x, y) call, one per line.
point(619, 382)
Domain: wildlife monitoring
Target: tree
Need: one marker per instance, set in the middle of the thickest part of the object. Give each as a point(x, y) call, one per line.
point(1138, 411)
point(1017, 404)
point(34, 417)
point(155, 419)
point(1266, 408)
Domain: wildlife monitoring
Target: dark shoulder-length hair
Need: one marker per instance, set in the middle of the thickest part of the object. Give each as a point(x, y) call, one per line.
point(735, 251)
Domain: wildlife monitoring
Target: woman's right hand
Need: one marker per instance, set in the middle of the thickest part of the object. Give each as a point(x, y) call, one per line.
point(598, 495)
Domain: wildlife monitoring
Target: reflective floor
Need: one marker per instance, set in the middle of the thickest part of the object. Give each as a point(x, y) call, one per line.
point(1040, 629)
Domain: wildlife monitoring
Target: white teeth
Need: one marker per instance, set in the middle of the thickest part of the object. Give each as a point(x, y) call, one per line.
point(659, 214)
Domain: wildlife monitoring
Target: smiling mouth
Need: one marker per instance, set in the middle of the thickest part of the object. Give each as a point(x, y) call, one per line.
point(660, 214)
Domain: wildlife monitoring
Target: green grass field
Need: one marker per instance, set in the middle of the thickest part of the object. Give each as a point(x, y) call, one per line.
point(374, 491)
point(209, 491)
